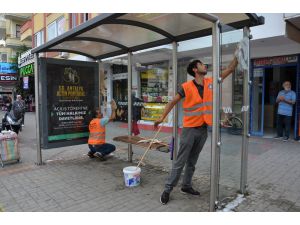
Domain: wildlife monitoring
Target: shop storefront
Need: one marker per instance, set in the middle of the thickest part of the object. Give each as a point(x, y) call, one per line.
point(119, 90)
point(268, 74)
point(154, 89)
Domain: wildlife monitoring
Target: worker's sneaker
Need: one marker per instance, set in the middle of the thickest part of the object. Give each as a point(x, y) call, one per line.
point(91, 154)
point(190, 191)
point(99, 156)
point(277, 137)
point(164, 198)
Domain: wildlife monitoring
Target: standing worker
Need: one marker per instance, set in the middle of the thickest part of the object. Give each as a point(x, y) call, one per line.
point(97, 145)
point(197, 109)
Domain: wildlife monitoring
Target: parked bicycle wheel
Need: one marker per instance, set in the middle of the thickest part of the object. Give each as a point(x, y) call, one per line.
point(236, 127)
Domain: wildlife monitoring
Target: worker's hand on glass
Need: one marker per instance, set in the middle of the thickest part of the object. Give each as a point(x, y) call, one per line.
point(281, 98)
point(237, 49)
point(157, 122)
point(113, 104)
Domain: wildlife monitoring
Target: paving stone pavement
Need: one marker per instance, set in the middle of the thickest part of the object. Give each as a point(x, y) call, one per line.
point(69, 181)
point(85, 184)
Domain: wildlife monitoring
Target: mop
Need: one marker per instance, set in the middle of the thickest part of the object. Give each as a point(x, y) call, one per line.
point(152, 142)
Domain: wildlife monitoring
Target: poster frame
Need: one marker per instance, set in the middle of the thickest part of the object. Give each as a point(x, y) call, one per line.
point(45, 144)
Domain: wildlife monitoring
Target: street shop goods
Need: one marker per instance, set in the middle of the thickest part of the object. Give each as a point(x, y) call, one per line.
point(9, 146)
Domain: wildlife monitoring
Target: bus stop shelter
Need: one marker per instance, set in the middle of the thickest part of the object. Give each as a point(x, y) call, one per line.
point(110, 35)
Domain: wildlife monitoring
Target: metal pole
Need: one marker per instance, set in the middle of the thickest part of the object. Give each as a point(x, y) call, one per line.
point(37, 109)
point(246, 84)
point(100, 100)
point(175, 111)
point(215, 142)
point(129, 85)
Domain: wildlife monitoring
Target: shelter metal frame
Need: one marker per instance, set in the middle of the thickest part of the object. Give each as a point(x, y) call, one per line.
point(78, 34)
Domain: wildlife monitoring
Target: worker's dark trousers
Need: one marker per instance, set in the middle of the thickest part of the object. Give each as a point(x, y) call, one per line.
point(191, 143)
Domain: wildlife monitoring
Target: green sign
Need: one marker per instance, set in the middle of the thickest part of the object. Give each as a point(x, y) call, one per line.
point(27, 70)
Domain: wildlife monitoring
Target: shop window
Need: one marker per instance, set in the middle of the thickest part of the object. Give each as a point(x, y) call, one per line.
point(154, 89)
point(18, 31)
point(51, 31)
point(73, 20)
point(39, 38)
point(237, 91)
point(60, 26)
point(84, 17)
point(3, 57)
point(56, 28)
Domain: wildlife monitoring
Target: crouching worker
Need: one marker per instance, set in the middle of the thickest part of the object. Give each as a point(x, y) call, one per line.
point(96, 142)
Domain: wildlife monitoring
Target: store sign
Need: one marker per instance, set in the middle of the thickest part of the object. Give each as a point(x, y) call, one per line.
point(25, 83)
point(7, 68)
point(25, 59)
point(120, 76)
point(4, 78)
point(258, 72)
point(27, 70)
point(279, 60)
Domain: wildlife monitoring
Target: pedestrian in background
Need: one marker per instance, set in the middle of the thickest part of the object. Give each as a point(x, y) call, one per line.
point(20, 102)
point(285, 99)
point(137, 105)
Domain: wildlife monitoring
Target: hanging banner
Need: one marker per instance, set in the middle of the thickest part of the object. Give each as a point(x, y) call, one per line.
point(71, 99)
point(25, 83)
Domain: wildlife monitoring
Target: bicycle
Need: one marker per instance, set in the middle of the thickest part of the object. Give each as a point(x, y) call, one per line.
point(232, 122)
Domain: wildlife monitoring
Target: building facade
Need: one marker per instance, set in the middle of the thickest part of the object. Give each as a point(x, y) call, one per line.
point(274, 56)
point(10, 46)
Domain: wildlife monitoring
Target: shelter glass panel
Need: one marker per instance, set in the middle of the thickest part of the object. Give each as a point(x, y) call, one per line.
point(231, 124)
point(87, 47)
point(122, 34)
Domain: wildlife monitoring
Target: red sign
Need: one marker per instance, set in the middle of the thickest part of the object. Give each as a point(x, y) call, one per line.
point(8, 78)
point(279, 60)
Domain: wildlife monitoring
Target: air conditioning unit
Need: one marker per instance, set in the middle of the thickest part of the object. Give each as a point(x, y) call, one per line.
point(64, 55)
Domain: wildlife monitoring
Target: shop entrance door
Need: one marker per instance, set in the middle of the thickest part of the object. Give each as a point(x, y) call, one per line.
point(274, 78)
point(267, 82)
point(257, 102)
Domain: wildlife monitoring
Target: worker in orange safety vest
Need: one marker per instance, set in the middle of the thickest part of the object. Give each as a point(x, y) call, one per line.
point(197, 114)
point(96, 142)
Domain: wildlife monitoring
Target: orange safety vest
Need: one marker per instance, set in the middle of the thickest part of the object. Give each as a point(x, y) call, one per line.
point(97, 133)
point(197, 110)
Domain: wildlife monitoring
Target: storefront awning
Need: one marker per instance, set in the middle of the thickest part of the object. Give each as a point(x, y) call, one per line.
point(292, 26)
point(109, 35)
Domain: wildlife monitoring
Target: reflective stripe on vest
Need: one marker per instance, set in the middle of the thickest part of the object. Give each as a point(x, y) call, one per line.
point(97, 133)
point(198, 113)
point(198, 106)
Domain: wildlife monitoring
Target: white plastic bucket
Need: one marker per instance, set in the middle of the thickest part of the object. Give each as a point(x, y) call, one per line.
point(132, 176)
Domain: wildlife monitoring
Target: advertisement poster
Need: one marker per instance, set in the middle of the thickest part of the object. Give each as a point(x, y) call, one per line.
point(71, 100)
point(25, 83)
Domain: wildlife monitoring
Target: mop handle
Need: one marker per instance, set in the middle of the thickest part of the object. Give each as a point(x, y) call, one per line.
point(149, 146)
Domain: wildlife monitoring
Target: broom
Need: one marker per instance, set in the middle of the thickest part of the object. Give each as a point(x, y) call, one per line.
point(152, 141)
